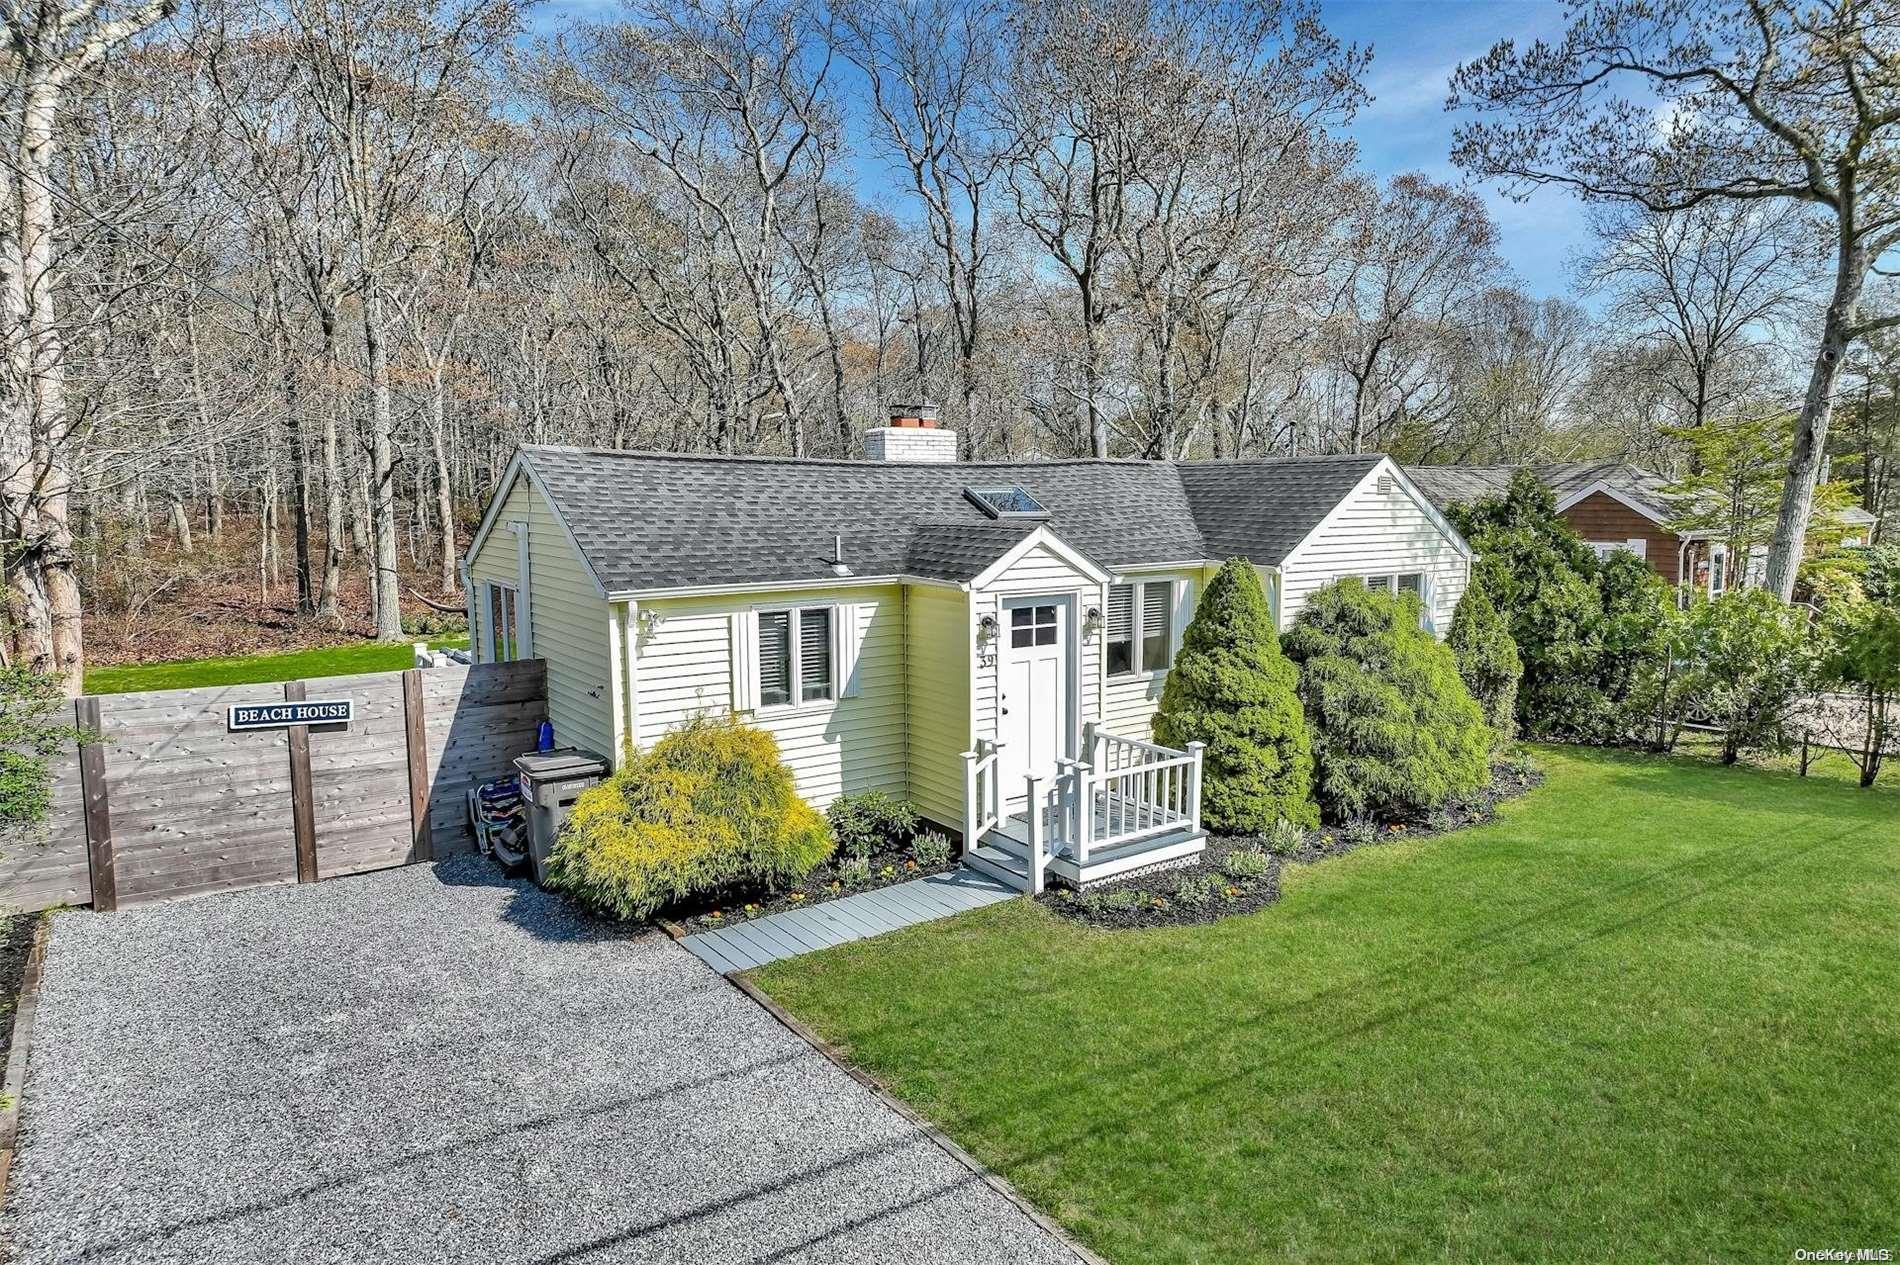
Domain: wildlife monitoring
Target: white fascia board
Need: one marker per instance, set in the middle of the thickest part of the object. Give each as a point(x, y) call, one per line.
point(518, 466)
point(487, 525)
point(770, 586)
point(1149, 568)
point(1044, 537)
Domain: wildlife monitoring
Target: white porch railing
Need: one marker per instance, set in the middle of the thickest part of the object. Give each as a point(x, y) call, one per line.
point(1121, 791)
point(982, 792)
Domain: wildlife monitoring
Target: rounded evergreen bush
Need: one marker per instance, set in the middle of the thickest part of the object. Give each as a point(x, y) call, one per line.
point(864, 821)
point(1232, 689)
point(1480, 642)
point(709, 807)
point(1394, 729)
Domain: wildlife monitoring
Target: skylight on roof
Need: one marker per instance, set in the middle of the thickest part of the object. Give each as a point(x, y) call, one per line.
point(1010, 502)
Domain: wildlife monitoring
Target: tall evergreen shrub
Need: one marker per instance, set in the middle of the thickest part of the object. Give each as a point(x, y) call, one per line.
point(1232, 689)
point(1394, 729)
point(1480, 642)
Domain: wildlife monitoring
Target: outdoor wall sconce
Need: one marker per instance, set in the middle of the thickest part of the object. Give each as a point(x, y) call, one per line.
point(986, 628)
point(649, 620)
point(1091, 621)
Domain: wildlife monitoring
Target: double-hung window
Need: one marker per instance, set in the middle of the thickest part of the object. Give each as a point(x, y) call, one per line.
point(795, 656)
point(1405, 582)
point(1140, 627)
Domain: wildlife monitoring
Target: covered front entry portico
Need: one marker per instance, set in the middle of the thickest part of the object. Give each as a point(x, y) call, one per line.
point(1047, 787)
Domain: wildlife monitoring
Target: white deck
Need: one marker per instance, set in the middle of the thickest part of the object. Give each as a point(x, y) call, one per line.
point(1004, 850)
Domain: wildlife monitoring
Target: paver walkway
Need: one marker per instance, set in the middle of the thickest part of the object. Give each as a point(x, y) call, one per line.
point(435, 1065)
point(744, 945)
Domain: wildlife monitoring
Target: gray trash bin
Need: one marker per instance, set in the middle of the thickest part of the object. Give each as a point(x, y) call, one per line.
point(550, 783)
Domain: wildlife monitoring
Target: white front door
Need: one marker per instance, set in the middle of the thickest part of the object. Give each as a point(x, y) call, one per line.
point(1033, 706)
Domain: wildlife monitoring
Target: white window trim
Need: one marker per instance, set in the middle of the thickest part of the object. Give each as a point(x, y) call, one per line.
point(1604, 549)
point(1718, 570)
point(798, 700)
point(1140, 672)
point(491, 649)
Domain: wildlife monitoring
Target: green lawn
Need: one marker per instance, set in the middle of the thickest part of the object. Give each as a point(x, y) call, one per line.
point(1652, 1013)
point(180, 674)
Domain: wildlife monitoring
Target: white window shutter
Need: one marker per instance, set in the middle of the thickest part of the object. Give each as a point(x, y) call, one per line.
point(745, 660)
point(848, 641)
point(1183, 610)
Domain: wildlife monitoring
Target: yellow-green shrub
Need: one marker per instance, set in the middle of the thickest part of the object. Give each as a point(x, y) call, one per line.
point(709, 807)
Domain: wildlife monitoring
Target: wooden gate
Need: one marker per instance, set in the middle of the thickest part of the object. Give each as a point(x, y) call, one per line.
point(170, 801)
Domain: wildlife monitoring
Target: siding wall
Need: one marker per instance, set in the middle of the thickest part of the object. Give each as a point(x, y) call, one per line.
point(1604, 518)
point(939, 633)
point(1376, 533)
point(568, 618)
point(684, 666)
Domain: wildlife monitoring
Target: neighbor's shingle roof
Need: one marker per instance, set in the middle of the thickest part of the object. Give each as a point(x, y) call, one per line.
point(1448, 485)
point(663, 520)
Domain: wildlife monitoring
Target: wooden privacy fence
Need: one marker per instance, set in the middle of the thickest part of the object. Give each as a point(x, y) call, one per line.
point(170, 802)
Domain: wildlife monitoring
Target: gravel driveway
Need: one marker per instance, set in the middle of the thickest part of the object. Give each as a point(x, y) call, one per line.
point(433, 1064)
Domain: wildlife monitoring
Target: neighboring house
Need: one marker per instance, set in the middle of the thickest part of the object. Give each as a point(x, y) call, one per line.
point(1614, 505)
point(938, 630)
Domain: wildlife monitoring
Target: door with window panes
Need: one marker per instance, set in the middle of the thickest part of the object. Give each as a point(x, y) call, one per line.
point(1033, 690)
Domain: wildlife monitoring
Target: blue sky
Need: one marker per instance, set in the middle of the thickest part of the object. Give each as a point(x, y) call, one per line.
point(1416, 45)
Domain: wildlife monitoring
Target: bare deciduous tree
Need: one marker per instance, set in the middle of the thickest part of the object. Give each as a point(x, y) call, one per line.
point(1678, 103)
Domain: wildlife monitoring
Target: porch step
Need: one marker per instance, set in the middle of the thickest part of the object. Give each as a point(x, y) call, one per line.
point(1004, 867)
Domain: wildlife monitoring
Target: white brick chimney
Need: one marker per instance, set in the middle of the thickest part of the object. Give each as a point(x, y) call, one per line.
point(912, 435)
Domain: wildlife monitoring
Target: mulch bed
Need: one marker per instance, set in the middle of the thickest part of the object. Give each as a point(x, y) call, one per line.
point(1154, 900)
point(16, 943)
point(821, 885)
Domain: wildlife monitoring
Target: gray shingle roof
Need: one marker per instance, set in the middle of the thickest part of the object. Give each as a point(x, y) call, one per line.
point(957, 551)
point(1447, 485)
point(1261, 509)
point(663, 520)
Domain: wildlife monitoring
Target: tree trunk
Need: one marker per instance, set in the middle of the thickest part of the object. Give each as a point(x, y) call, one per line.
point(328, 606)
point(382, 472)
point(214, 489)
point(46, 389)
point(1092, 381)
point(1817, 409)
point(181, 523)
point(30, 621)
point(444, 493)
